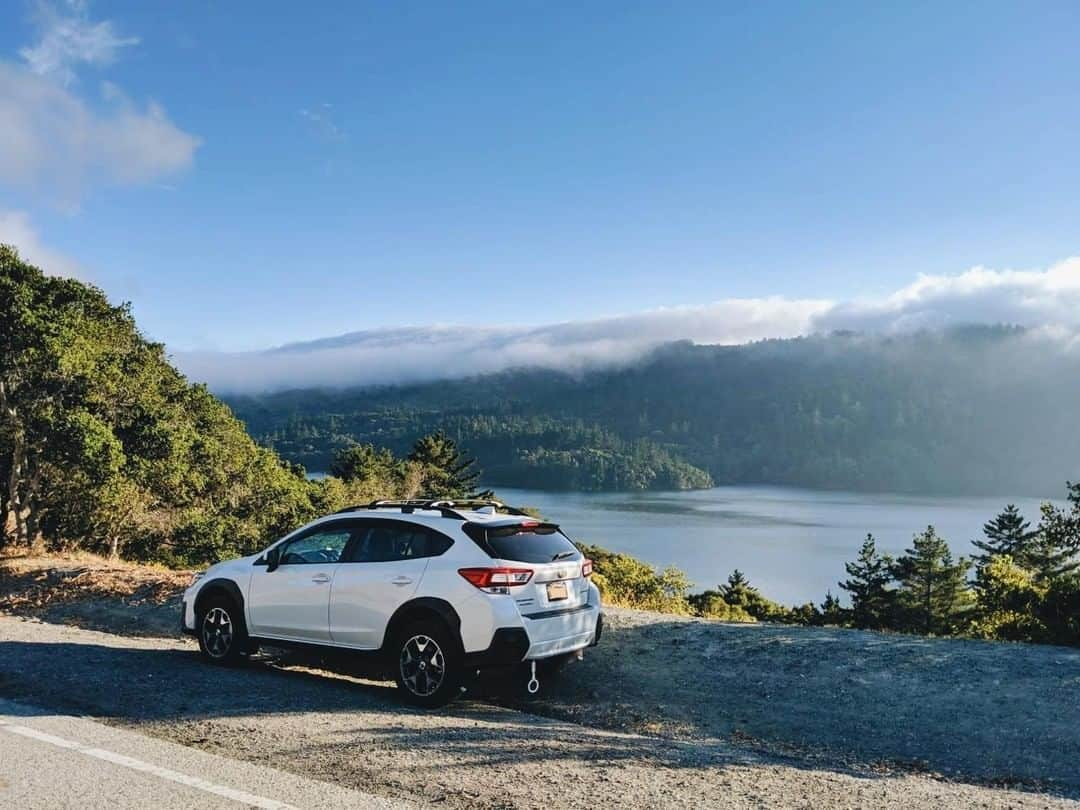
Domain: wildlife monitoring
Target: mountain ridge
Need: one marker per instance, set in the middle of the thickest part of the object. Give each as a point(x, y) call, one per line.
point(976, 409)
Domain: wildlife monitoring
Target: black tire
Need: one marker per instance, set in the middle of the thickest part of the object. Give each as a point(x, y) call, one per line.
point(428, 664)
point(222, 634)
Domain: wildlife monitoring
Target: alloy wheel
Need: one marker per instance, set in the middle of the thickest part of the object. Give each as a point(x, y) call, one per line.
point(217, 632)
point(423, 666)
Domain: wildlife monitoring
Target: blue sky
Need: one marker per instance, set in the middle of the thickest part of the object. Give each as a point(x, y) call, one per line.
point(292, 171)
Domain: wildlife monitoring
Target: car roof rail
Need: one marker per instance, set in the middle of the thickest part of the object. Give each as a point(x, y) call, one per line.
point(447, 507)
point(473, 503)
point(406, 507)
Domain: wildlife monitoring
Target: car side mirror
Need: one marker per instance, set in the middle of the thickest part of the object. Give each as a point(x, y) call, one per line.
point(273, 559)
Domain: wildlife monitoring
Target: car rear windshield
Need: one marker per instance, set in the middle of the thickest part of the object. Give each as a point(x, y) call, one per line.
point(527, 543)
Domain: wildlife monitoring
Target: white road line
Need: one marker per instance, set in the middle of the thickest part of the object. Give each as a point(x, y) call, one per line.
point(145, 767)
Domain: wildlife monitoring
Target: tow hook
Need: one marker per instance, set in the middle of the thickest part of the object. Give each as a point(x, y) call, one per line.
point(534, 684)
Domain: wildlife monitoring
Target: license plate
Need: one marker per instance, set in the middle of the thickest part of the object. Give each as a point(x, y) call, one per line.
point(557, 591)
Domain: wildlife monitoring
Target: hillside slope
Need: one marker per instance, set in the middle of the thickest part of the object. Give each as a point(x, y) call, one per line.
point(975, 410)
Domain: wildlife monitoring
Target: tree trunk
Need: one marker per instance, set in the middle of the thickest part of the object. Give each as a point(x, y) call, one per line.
point(15, 508)
point(17, 527)
point(929, 603)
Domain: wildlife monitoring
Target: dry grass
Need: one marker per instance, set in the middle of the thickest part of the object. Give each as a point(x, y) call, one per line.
point(31, 583)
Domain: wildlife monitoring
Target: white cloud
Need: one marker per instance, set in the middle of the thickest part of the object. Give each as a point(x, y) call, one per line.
point(56, 144)
point(68, 38)
point(16, 229)
point(419, 353)
point(1026, 297)
point(1048, 299)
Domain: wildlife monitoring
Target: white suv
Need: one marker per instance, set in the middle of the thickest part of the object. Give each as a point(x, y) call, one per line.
point(438, 589)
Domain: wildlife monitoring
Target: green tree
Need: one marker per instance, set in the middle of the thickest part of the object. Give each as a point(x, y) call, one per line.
point(368, 472)
point(738, 592)
point(1059, 611)
point(872, 601)
point(1008, 601)
point(832, 612)
point(1055, 550)
point(629, 582)
point(447, 471)
point(1008, 533)
point(711, 605)
point(105, 446)
point(63, 348)
point(932, 585)
point(363, 462)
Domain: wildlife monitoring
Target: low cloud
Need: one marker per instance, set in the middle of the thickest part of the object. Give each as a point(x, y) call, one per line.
point(17, 230)
point(980, 295)
point(1048, 298)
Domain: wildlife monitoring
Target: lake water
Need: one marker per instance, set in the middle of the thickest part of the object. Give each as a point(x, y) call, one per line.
point(791, 543)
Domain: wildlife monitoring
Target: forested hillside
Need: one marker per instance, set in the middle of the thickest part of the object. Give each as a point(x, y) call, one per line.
point(105, 447)
point(971, 410)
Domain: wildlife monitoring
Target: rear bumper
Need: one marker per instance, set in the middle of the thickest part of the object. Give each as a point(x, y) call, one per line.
point(558, 633)
point(508, 647)
point(543, 637)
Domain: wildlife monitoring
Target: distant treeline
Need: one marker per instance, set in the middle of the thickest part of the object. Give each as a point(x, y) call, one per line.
point(1022, 584)
point(967, 410)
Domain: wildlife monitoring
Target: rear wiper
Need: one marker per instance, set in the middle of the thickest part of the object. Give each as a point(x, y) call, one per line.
point(562, 555)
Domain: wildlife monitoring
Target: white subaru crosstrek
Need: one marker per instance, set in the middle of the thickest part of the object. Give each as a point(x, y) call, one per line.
point(438, 589)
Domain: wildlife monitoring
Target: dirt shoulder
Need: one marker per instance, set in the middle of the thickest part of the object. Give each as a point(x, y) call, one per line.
point(95, 593)
point(664, 712)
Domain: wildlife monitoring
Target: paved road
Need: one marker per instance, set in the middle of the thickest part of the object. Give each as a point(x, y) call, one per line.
point(51, 760)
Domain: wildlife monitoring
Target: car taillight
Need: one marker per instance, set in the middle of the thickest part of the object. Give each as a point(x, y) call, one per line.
point(586, 568)
point(496, 580)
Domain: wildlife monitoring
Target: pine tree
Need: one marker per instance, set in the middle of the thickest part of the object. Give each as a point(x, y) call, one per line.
point(1055, 551)
point(1008, 533)
point(448, 473)
point(932, 584)
point(832, 612)
point(738, 590)
point(872, 601)
point(362, 462)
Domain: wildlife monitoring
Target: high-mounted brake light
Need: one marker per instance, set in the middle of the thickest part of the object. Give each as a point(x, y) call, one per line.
point(586, 568)
point(528, 524)
point(496, 580)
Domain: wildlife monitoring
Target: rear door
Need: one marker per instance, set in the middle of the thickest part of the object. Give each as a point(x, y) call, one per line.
point(380, 572)
point(293, 600)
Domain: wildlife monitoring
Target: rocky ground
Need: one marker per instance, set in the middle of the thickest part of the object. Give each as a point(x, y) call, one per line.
point(666, 712)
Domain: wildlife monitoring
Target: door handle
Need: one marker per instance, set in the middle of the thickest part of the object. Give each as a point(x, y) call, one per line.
point(401, 580)
point(321, 578)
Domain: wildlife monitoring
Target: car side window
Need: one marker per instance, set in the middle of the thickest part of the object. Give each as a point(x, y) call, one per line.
point(386, 542)
point(321, 546)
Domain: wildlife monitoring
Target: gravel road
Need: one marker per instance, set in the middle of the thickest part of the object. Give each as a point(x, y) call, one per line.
point(665, 713)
